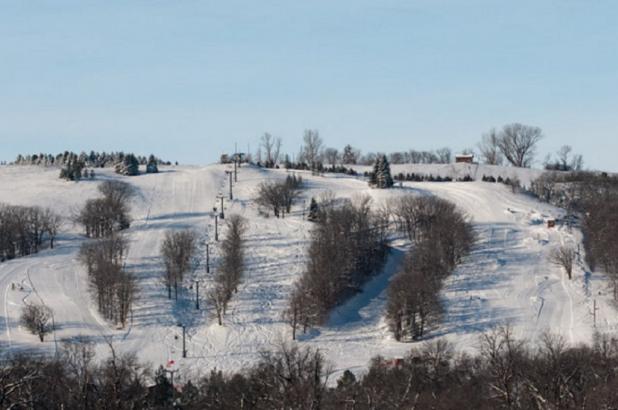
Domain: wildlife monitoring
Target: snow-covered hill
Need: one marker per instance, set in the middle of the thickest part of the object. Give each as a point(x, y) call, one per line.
point(507, 279)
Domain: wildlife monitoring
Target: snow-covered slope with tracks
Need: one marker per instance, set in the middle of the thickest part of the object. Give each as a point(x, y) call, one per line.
point(507, 279)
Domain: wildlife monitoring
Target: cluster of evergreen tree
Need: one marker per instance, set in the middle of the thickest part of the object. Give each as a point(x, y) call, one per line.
point(73, 166)
point(506, 181)
point(72, 169)
point(24, 229)
point(92, 160)
point(414, 177)
point(441, 237)
point(128, 166)
point(320, 168)
point(348, 245)
point(381, 175)
point(507, 374)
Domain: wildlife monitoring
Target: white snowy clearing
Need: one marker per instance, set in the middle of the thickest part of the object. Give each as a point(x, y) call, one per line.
point(507, 279)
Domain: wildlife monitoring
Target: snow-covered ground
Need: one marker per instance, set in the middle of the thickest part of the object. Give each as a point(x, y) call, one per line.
point(507, 279)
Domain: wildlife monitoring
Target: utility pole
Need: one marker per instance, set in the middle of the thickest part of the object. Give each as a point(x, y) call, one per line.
point(594, 311)
point(231, 195)
point(235, 161)
point(184, 336)
point(221, 214)
point(197, 294)
point(207, 258)
point(216, 227)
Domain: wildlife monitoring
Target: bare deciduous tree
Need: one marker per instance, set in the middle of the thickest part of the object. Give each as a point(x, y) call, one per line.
point(272, 149)
point(177, 251)
point(564, 256)
point(489, 148)
point(299, 312)
point(37, 319)
point(102, 217)
point(23, 230)
point(505, 357)
point(52, 223)
point(115, 288)
point(444, 155)
point(279, 196)
point(232, 266)
point(518, 142)
point(218, 297)
point(312, 148)
point(331, 156)
point(564, 161)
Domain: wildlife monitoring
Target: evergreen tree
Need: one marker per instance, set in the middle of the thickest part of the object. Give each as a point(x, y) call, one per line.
point(373, 176)
point(349, 156)
point(72, 171)
point(152, 167)
point(162, 393)
point(381, 176)
point(128, 166)
point(313, 211)
point(384, 177)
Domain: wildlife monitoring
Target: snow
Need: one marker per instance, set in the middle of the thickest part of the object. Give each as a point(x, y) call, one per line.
point(506, 279)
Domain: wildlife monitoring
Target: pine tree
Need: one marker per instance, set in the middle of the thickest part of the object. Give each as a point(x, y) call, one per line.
point(128, 166)
point(313, 211)
point(381, 176)
point(349, 156)
point(152, 167)
point(385, 179)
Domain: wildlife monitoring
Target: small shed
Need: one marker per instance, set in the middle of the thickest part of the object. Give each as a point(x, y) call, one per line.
point(464, 159)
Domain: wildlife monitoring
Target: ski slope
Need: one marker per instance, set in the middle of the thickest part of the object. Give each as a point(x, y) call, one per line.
point(506, 280)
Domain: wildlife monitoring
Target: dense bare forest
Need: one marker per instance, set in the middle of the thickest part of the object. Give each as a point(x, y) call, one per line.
point(591, 201)
point(348, 245)
point(441, 236)
point(24, 229)
point(507, 374)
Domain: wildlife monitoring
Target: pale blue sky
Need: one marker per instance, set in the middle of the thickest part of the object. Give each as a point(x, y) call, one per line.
point(185, 79)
